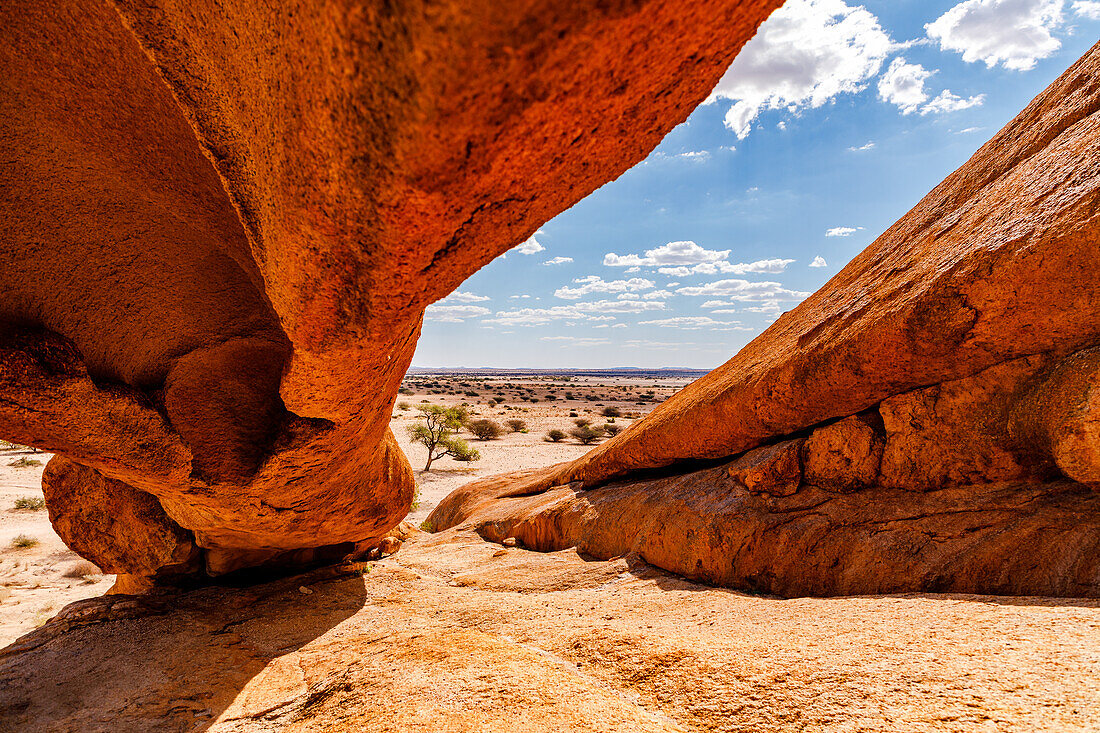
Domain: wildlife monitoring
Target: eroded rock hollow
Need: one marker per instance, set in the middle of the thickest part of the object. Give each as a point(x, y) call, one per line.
point(222, 224)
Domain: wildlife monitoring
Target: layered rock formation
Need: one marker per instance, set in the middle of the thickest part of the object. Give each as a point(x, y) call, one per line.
point(223, 224)
point(925, 421)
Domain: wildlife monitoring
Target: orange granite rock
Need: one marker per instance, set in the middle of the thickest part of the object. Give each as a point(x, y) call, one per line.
point(959, 353)
point(230, 219)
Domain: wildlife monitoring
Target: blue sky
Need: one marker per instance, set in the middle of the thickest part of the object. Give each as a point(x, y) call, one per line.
point(832, 123)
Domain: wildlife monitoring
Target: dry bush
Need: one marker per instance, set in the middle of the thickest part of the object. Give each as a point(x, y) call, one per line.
point(611, 430)
point(585, 434)
point(30, 503)
point(25, 462)
point(612, 412)
point(581, 422)
point(555, 436)
point(485, 429)
point(516, 425)
point(82, 569)
point(23, 542)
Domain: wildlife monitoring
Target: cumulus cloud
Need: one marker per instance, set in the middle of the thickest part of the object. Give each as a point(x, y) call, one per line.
point(673, 253)
point(819, 261)
point(742, 290)
point(903, 85)
point(592, 312)
point(948, 102)
point(531, 246)
point(653, 295)
point(868, 146)
point(805, 54)
point(576, 340)
point(596, 284)
point(558, 261)
point(693, 323)
point(1013, 33)
point(461, 297)
point(726, 268)
point(841, 231)
point(453, 313)
point(1087, 8)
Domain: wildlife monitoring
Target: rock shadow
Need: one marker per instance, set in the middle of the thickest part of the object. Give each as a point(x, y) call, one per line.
point(167, 663)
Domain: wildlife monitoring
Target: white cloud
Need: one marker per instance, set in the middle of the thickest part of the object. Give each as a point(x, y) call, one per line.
point(577, 341)
point(804, 55)
point(697, 156)
point(969, 130)
point(673, 253)
point(558, 261)
point(654, 295)
point(461, 297)
point(819, 261)
point(531, 246)
point(453, 313)
point(692, 323)
point(771, 267)
point(596, 284)
point(592, 312)
point(1013, 33)
point(619, 325)
point(1088, 8)
point(741, 290)
point(903, 85)
point(841, 231)
point(770, 307)
point(672, 285)
point(869, 146)
point(948, 102)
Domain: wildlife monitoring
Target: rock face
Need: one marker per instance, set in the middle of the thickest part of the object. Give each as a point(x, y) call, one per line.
point(223, 224)
point(940, 396)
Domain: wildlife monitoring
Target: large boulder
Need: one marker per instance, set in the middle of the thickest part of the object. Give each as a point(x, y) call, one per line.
point(942, 390)
point(223, 223)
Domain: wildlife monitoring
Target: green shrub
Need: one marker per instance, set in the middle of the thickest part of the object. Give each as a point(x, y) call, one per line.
point(25, 462)
point(611, 430)
point(23, 542)
point(30, 503)
point(555, 436)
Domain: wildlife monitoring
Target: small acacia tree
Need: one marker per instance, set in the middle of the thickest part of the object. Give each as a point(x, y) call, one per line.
point(437, 433)
point(516, 425)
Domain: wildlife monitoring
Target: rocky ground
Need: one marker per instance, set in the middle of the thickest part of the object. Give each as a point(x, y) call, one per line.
point(456, 634)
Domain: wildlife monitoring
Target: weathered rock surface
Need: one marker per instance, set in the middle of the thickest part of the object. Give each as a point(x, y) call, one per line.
point(223, 223)
point(447, 636)
point(957, 351)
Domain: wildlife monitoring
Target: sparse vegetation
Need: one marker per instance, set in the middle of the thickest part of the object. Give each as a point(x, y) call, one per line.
point(611, 430)
point(437, 433)
point(30, 503)
point(485, 429)
point(25, 462)
point(612, 412)
point(403, 405)
point(581, 422)
point(82, 570)
point(585, 434)
point(516, 425)
point(555, 436)
point(23, 542)
point(427, 526)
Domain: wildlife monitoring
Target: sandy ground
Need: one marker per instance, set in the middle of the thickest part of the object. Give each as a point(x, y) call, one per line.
point(33, 581)
point(456, 634)
point(515, 451)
